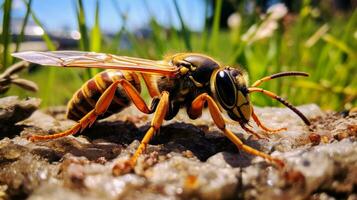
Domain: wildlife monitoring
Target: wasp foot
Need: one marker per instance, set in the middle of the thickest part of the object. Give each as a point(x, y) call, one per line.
point(122, 167)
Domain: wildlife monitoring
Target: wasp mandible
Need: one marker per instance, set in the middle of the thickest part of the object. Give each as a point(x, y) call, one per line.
point(183, 80)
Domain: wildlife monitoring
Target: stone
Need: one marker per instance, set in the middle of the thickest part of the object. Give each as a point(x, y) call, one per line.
point(13, 110)
point(187, 159)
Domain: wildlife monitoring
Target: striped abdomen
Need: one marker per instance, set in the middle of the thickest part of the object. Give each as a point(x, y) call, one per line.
point(86, 97)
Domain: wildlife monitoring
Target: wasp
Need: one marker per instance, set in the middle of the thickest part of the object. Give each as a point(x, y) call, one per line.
point(184, 80)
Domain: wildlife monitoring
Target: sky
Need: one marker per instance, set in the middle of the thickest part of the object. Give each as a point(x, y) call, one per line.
point(58, 14)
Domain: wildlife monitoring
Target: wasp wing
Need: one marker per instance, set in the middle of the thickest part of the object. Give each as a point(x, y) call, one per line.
point(96, 60)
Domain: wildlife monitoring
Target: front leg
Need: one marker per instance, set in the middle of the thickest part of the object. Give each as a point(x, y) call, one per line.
point(196, 110)
point(156, 122)
point(262, 126)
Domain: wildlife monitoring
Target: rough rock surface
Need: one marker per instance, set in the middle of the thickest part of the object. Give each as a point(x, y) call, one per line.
point(186, 160)
point(13, 110)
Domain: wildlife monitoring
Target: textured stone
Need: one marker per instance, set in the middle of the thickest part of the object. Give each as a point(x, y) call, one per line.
point(13, 110)
point(187, 159)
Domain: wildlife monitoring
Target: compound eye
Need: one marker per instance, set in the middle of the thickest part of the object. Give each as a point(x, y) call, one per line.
point(225, 89)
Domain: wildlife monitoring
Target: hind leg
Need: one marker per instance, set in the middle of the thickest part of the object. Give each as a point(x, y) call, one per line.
point(101, 107)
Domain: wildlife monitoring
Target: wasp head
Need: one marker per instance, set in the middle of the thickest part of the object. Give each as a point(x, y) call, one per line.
point(229, 87)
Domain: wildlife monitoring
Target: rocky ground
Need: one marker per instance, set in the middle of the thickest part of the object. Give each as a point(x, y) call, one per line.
point(186, 160)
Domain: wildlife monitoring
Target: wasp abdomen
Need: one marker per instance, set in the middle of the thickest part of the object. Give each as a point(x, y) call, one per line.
point(86, 97)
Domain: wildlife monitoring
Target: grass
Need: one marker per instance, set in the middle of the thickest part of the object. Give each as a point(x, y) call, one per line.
point(323, 46)
point(6, 33)
point(22, 32)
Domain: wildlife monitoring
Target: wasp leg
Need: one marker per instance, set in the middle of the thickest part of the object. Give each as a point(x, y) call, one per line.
point(244, 127)
point(100, 107)
point(281, 100)
point(158, 118)
point(262, 126)
point(196, 110)
point(152, 88)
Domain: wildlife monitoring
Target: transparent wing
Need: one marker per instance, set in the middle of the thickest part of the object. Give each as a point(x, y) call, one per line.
point(96, 60)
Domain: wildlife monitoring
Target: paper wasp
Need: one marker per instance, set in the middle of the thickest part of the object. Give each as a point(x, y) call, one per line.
point(187, 80)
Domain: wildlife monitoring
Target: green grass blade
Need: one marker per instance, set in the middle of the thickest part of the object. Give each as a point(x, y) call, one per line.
point(49, 43)
point(185, 32)
point(339, 44)
point(317, 36)
point(84, 41)
point(96, 37)
point(215, 27)
point(23, 27)
point(205, 32)
point(350, 27)
point(115, 43)
point(157, 31)
point(48, 97)
point(6, 33)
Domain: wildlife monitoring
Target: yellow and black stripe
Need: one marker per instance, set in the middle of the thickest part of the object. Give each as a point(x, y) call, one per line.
point(85, 98)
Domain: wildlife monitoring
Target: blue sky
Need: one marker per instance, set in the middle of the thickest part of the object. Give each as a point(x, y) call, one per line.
point(57, 14)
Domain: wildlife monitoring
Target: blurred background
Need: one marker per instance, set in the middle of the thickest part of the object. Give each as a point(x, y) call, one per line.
point(262, 37)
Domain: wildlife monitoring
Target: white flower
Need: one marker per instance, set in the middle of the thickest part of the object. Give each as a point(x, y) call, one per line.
point(268, 25)
point(266, 29)
point(234, 20)
point(277, 11)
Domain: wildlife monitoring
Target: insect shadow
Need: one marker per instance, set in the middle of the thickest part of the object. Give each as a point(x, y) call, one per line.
point(175, 137)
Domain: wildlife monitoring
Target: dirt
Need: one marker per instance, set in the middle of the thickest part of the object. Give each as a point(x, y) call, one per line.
point(186, 160)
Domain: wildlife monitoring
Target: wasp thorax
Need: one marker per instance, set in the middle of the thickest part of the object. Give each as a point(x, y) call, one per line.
point(229, 87)
point(198, 66)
